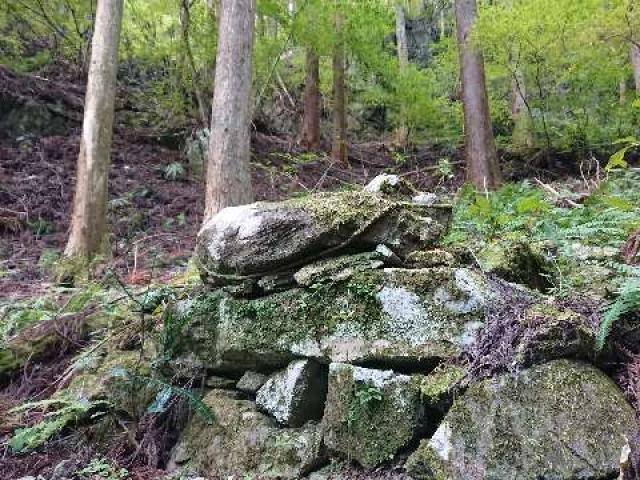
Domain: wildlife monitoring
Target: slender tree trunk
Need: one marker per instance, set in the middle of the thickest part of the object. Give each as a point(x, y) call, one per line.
point(522, 135)
point(635, 63)
point(482, 162)
point(310, 138)
point(402, 133)
point(339, 147)
point(228, 170)
point(89, 222)
point(622, 89)
point(185, 22)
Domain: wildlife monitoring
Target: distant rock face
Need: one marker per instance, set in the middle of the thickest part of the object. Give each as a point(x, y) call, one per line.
point(243, 440)
point(370, 414)
point(263, 238)
point(558, 421)
point(295, 395)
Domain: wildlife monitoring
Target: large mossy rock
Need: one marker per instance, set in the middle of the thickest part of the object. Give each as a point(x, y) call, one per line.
point(244, 443)
point(265, 238)
point(371, 414)
point(558, 421)
point(392, 317)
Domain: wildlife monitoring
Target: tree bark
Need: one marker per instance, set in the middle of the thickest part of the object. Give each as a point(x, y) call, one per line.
point(228, 170)
point(310, 137)
point(635, 63)
point(622, 90)
point(402, 133)
point(522, 135)
point(480, 150)
point(88, 224)
point(339, 147)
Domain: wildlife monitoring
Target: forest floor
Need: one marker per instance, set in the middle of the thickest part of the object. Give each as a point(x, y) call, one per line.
point(154, 216)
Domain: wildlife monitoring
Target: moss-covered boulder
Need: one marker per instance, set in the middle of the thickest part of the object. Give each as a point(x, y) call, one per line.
point(391, 316)
point(296, 394)
point(562, 421)
point(517, 261)
point(370, 414)
point(266, 238)
point(244, 443)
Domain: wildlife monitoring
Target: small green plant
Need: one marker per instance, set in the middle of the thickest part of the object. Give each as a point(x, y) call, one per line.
point(40, 226)
point(617, 159)
point(103, 469)
point(366, 398)
point(174, 171)
point(444, 169)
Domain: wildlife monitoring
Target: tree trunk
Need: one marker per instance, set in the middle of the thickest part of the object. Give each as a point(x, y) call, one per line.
point(88, 225)
point(402, 133)
point(635, 63)
point(339, 147)
point(228, 170)
point(522, 135)
point(482, 163)
point(310, 138)
point(622, 89)
point(185, 23)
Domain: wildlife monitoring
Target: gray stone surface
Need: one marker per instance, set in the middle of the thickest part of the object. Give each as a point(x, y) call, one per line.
point(251, 382)
point(268, 238)
point(295, 395)
point(370, 414)
point(244, 443)
point(559, 421)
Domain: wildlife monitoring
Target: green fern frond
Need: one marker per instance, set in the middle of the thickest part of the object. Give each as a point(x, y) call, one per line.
point(628, 301)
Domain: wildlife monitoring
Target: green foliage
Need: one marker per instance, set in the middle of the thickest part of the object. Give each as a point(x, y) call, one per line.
point(165, 392)
point(365, 399)
point(103, 469)
point(174, 171)
point(628, 301)
point(64, 411)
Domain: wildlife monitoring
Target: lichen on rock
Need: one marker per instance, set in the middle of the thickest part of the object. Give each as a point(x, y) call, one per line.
point(561, 420)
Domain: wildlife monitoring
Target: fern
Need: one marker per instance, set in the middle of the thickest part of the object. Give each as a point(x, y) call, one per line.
point(165, 390)
point(64, 411)
point(628, 301)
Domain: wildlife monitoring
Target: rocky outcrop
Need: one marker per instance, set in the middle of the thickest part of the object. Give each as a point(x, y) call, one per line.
point(562, 420)
point(370, 414)
point(244, 441)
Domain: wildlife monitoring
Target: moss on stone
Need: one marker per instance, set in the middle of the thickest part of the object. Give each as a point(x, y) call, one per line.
point(370, 414)
point(424, 464)
point(550, 421)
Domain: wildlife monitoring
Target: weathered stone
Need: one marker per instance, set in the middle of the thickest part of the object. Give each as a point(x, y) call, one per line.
point(517, 261)
point(430, 259)
point(390, 185)
point(370, 414)
point(295, 395)
point(268, 238)
point(251, 382)
point(244, 443)
point(561, 421)
point(337, 269)
point(439, 387)
point(220, 382)
point(392, 316)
